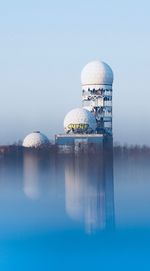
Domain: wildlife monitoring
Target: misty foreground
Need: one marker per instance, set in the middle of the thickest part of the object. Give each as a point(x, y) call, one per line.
point(75, 211)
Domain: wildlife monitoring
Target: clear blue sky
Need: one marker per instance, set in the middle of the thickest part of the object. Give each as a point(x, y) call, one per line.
point(45, 44)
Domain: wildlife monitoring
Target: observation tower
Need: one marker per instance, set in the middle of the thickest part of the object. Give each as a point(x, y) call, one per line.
point(96, 82)
point(92, 123)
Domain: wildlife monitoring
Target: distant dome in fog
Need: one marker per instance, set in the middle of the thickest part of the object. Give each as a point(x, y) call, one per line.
point(96, 73)
point(79, 120)
point(35, 140)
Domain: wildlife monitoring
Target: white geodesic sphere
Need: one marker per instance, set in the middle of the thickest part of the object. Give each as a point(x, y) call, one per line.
point(80, 120)
point(35, 140)
point(88, 107)
point(96, 73)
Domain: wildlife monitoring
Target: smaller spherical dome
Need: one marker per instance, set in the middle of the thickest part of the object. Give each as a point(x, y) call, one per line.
point(35, 140)
point(80, 120)
point(88, 107)
point(96, 73)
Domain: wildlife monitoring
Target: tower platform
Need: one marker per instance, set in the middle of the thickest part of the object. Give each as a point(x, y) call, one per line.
point(72, 139)
point(81, 142)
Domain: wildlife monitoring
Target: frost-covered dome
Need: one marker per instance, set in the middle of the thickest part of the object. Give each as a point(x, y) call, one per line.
point(80, 120)
point(96, 73)
point(35, 140)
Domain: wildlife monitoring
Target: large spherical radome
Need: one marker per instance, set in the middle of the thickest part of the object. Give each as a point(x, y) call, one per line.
point(80, 120)
point(96, 73)
point(35, 140)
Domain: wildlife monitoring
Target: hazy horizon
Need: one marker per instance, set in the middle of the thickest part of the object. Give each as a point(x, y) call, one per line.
point(44, 46)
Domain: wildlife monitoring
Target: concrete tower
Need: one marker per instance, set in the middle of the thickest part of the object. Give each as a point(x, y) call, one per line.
point(96, 81)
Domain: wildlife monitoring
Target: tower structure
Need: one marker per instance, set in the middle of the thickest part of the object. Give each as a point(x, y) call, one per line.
point(96, 81)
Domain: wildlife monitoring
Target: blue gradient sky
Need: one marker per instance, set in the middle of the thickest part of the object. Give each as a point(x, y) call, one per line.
point(45, 44)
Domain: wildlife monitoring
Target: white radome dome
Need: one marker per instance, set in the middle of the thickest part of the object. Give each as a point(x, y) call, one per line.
point(80, 120)
point(35, 140)
point(96, 73)
point(88, 107)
